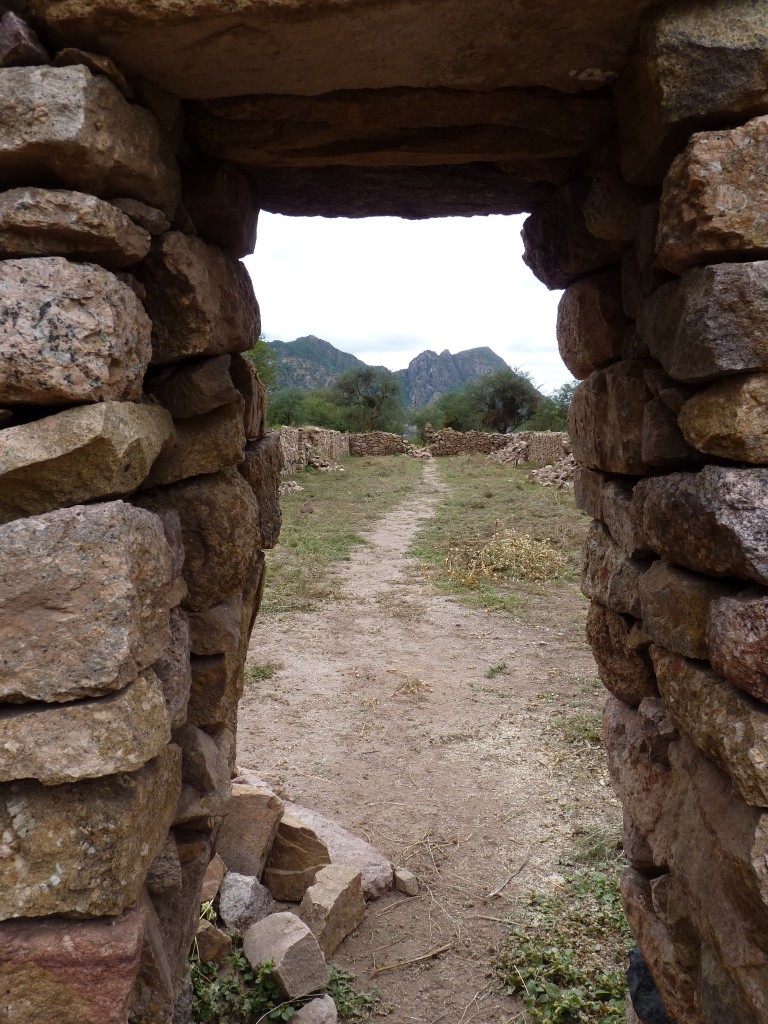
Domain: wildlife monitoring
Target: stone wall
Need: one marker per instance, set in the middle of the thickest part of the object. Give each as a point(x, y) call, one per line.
point(541, 447)
point(138, 490)
point(312, 446)
point(378, 442)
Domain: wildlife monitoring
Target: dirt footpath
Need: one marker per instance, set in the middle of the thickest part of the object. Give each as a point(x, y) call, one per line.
point(384, 718)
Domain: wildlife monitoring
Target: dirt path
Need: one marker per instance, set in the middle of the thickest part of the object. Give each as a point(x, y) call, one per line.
point(383, 718)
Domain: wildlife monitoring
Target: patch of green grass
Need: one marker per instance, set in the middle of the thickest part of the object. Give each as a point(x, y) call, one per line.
point(497, 670)
point(567, 950)
point(351, 1004)
point(519, 541)
point(259, 673)
point(582, 728)
point(596, 845)
point(301, 569)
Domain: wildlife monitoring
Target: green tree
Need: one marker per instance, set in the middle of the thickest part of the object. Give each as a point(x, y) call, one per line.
point(287, 408)
point(506, 399)
point(552, 413)
point(321, 411)
point(265, 361)
point(370, 397)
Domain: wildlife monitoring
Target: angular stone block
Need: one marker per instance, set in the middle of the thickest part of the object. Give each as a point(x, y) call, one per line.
point(219, 526)
point(616, 513)
point(731, 536)
point(262, 468)
point(296, 856)
point(205, 779)
point(333, 906)
point(737, 639)
point(82, 454)
point(217, 630)
point(624, 669)
point(69, 332)
point(71, 972)
point(318, 1011)
point(222, 203)
point(147, 217)
point(97, 598)
point(246, 380)
point(406, 882)
point(85, 739)
point(164, 874)
point(214, 876)
point(200, 300)
point(675, 605)
point(96, 63)
point(193, 388)
point(47, 222)
point(249, 828)
point(726, 725)
point(174, 670)
point(77, 129)
point(299, 965)
point(213, 945)
point(19, 45)
point(605, 419)
point(609, 577)
point(217, 686)
point(729, 419)
point(591, 324)
point(710, 323)
point(243, 901)
point(83, 849)
point(202, 445)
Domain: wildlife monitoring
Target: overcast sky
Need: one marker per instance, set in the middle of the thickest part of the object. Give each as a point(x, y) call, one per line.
point(386, 289)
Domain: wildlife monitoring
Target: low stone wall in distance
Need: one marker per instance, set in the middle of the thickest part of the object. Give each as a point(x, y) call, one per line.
point(378, 442)
point(541, 447)
point(312, 446)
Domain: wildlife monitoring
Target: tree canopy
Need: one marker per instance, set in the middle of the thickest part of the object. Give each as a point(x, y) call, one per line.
point(371, 397)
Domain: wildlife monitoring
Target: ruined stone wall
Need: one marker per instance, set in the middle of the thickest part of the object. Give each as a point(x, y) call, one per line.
point(661, 254)
point(536, 446)
point(378, 442)
point(310, 446)
point(138, 490)
point(469, 442)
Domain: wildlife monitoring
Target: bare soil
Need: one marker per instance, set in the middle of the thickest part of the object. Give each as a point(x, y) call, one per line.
point(383, 717)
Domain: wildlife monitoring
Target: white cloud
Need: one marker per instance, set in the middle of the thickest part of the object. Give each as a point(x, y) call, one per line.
point(386, 289)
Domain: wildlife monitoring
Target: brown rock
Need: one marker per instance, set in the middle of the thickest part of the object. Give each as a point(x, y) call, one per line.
point(153, 997)
point(219, 525)
point(97, 598)
point(318, 1011)
point(296, 856)
point(97, 64)
point(710, 322)
point(249, 829)
point(87, 739)
point(726, 506)
point(588, 490)
point(78, 455)
point(624, 670)
point(217, 630)
point(213, 945)
point(200, 300)
point(44, 222)
point(262, 468)
point(730, 419)
point(406, 882)
point(737, 639)
point(69, 332)
point(299, 966)
point(591, 323)
point(609, 577)
point(675, 605)
point(214, 876)
point(71, 972)
point(222, 204)
point(204, 777)
point(612, 209)
point(202, 445)
point(246, 380)
point(727, 726)
point(194, 388)
point(333, 906)
point(78, 130)
point(641, 274)
point(19, 45)
point(164, 872)
point(616, 512)
point(217, 686)
point(174, 670)
point(662, 444)
point(147, 217)
point(83, 848)
point(605, 419)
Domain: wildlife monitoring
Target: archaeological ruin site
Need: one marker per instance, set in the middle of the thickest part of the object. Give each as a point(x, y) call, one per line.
point(139, 483)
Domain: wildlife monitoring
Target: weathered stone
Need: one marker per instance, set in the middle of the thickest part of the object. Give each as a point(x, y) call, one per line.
point(625, 671)
point(200, 300)
point(697, 65)
point(174, 670)
point(612, 209)
point(217, 630)
point(19, 45)
point(219, 525)
point(78, 455)
point(69, 332)
point(675, 605)
point(296, 856)
point(178, 910)
point(662, 444)
point(164, 874)
point(727, 726)
point(558, 248)
point(204, 776)
point(243, 901)
point(71, 972)
point(217, 686)
point(609, 577)
point(83, 848)
point(616, 512)
point(737, 640)
point(213, 945)
point(249, 829)
point(246, 380)
point(202, 445)
point(591, 323)
point(214, 876)
point(605, 419)
point(643, 992)
point(730, 538)
point(406, 882)
point(346, 848)
point(709, 323)
point(222, 204)
point(97, 598)
point(153, 995)
point(588, 490)
point(77, 129)
point(87, 739)
point(147, 217)
point(640, 771)
point(333, 906)
point(299, 966)
point(193, 388)
point(318, 1011)
point(640, 273)
point(730, 419)
point(46, 222)
point(97, 64)
point(262, 468)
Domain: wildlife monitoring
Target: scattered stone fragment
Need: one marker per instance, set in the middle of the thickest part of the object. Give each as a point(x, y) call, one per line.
point(152, 220)
point(97, 64)
point(299, 965)
point(406, 882)
point(213, 945)
point(730, 419)
point(318, 1011)
point(69, 332)
point(214, 876)
point(193, 388)
point(82, 454)
point(97, 599)
point(249, 829)
point(201, 445)
point(624, 666)
point(296, 856)
point(19, 45)
point(333, 906)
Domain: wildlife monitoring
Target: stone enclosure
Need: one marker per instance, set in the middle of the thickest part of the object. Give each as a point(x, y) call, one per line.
point(138, 486)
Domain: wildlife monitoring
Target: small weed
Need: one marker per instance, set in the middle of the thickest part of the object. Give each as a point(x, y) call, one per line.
point(413, 687)
point(595, 845)
point(581, 728)
point(258, 673)
point(497, 670)
point(351, 1004)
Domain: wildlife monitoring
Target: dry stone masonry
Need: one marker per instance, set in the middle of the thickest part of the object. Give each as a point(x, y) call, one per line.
point(138, 483)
